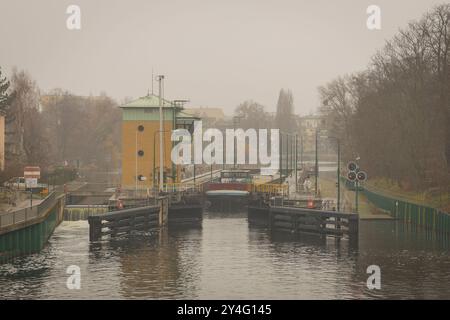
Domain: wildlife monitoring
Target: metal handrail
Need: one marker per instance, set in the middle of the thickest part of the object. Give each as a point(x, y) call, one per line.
point(27, 214)
point(176, 187)
point(270, 188)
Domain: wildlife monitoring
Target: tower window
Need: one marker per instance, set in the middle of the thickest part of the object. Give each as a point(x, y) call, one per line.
point(141, 153)
point(141, 128)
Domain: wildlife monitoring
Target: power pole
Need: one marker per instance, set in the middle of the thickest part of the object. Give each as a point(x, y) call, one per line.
point(287, 155)
point(301, 151)
point(136, 164)
point(236, 119)
point(280, 156)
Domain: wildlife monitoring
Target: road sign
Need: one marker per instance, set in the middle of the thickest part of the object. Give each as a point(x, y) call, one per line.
point(351, 176)
point(361, 176)
point(32, 172)
point(352, 166)
point(31, 182)
point(31, 175)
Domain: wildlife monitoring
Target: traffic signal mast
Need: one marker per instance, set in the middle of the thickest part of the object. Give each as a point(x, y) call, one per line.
point(356, 176)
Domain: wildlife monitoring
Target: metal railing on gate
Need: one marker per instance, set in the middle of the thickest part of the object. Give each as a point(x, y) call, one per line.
point(271, 188)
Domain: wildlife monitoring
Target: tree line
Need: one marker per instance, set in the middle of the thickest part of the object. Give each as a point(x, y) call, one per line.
point(395, 115)
point(59, 128)
point(56, 128)
point(251, 114)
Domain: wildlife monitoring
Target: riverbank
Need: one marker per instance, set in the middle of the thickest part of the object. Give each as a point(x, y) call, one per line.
point(366, 210)
point(435, 198)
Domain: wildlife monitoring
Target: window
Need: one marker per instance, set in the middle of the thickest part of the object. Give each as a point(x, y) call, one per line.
point(141, 153)
point(141, 128)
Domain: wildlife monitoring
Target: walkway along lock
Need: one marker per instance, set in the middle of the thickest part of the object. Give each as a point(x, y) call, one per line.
point(27, 230)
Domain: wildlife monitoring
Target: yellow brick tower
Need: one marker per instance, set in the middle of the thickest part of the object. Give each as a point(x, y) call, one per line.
point(140, 141)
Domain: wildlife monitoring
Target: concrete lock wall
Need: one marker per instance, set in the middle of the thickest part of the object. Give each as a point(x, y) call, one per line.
point(416, 214)
point(30, 236)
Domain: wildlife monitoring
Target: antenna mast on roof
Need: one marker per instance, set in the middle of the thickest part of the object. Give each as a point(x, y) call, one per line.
point(152, 81)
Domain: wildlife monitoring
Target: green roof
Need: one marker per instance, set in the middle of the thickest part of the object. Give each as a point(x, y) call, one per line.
point(149, 101)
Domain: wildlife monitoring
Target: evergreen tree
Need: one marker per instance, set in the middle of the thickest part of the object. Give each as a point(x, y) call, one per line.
point(285, 111)
point(5, 98)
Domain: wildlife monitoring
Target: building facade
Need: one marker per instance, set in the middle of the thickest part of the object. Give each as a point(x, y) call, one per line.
point(141, 141)
point(308, 127)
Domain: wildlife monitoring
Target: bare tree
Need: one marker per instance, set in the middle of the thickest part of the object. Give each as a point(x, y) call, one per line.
point(395, 114)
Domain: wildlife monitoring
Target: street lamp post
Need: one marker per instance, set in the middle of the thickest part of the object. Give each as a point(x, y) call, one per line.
point(161, 129)
point(339, 176)
point(154, 156)
point(194, 174)
point(288, 154)
point(223, 157)
point(234, 139)
point(301, 151)
point(296, 163)
point(136, 165)
point(338, 171)
point(280, 156)
point(316, 162)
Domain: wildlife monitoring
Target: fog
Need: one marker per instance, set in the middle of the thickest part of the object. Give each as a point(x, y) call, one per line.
point(214, 53)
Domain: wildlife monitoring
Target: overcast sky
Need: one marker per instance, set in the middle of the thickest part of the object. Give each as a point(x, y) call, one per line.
point(213, 52)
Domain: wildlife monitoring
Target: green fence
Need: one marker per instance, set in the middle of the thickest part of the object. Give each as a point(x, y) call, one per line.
point(26, 231)
point(28, 240)
point(414, 213)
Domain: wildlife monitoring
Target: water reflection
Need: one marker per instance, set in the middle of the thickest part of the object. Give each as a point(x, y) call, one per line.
point(232, 257)
point(414, 263)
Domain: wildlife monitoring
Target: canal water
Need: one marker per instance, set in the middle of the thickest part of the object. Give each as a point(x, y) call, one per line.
point(228, 258)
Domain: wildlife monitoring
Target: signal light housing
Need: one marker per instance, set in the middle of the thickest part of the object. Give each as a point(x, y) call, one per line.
point(361, 176)
point(352, 166)
point(351, 176)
